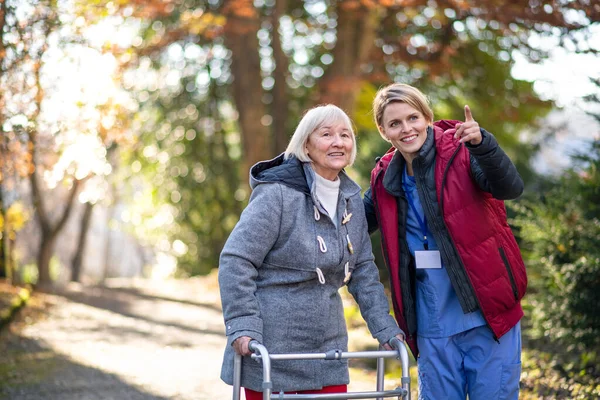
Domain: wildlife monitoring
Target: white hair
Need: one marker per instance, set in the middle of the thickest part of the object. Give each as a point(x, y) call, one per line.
point(311, 121)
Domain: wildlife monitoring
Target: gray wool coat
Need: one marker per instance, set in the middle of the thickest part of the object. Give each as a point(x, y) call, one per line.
point(280, 271)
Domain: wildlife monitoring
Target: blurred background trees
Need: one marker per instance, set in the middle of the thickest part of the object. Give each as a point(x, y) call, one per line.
point(560, 228)
point(128, 126)
point(235, 76)
point(50, 134)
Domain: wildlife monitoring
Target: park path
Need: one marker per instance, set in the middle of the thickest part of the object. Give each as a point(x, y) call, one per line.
point(131, 340)
point(134, 339)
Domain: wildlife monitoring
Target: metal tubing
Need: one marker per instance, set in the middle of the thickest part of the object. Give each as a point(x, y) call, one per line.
point(261, 354)
point(398, 392)
point(322, 356)
point(405, 369)
point(237, 376)
point(266, 364)
point(380, 375)
point(400, 347)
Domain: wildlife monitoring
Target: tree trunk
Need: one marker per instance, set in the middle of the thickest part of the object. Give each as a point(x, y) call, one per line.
point(280, 104)
point(241, 31)
point(3, 237)
point(81, 243)
point(5, 266)
point(111, 210)
point(49, 231)
point(110, 214)
point(4, 270)
point(44, 256)
point(11, 261)
point(8, 269)
point(356, 33)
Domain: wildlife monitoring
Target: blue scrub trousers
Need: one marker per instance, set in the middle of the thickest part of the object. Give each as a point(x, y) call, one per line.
point(472, 363)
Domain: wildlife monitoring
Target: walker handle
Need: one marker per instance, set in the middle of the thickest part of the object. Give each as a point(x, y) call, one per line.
point(400, 347)
point(396, 344)
point(260, 350)
point(253, 347)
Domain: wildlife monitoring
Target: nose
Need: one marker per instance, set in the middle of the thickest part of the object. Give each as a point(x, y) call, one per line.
point(337, 140)
point(404, 127)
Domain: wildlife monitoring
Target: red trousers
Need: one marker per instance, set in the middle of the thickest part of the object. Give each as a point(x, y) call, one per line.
point(252, 395)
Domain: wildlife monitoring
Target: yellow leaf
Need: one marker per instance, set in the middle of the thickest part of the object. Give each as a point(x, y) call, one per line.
point(16, 217)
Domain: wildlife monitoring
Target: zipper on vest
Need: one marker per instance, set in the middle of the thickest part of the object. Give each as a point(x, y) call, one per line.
point(444, 179)
point(454, 244)
point(513, 284)
point(461, 286)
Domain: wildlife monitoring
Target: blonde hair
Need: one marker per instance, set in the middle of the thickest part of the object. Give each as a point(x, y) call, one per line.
point(402, 93)
point(312, 120)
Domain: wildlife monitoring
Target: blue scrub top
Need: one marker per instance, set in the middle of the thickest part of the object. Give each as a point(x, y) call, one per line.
point(439, 313)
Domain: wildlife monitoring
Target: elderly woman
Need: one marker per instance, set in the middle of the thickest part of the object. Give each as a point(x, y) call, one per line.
point(301, 238)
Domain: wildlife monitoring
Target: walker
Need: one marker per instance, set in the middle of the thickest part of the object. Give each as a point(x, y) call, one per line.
point(262, 355)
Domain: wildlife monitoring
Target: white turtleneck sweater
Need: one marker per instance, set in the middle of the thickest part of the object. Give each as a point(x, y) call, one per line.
point(327, 193)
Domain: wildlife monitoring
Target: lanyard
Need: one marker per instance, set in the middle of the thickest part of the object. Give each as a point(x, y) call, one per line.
point(422, 222)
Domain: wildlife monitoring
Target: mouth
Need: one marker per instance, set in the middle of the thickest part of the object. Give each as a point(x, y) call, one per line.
point(336, 154)
point(408, 139)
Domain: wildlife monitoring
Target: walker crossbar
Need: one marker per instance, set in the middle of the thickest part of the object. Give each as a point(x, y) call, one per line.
point(398, 393)
point(262, 355)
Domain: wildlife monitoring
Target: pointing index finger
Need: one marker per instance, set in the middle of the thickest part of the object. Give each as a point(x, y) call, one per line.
point(468, 115)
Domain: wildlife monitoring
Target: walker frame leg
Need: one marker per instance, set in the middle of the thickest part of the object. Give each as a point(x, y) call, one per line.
point(237, 376)
point(380, 374)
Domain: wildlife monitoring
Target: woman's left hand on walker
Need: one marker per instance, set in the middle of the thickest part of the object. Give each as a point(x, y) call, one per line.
point(469, 130)
point(387, 346)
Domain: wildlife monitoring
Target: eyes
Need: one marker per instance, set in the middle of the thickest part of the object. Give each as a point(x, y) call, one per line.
point(411, 118)
point(344, 134)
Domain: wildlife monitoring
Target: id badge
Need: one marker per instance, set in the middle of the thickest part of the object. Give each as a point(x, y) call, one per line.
point(428, 259)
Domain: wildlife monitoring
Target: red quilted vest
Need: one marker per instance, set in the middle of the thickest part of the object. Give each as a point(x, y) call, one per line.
point(477, 225)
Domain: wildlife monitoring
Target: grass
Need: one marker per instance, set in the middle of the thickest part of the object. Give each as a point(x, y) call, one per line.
point(12, 299)
point(32, 368)
point(20, 363)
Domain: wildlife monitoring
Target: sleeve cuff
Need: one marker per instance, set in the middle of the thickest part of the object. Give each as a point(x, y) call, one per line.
point(488, 142)
point(244, 326)
point(386, 334)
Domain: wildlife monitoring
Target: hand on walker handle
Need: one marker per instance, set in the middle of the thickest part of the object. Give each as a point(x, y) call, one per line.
point(240, 345)
point(469, 130)
point(388, 345)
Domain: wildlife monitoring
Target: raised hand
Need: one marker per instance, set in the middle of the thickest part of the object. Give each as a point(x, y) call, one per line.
point(469, 130)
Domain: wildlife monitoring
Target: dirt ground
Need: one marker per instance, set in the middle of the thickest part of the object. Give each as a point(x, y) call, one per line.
point(134, 339)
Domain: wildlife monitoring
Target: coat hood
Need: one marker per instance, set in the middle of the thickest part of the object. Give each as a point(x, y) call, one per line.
point(295, 174)
point(289, 172)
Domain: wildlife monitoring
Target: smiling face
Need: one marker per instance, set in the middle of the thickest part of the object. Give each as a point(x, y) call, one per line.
point(330, 149)
point(405, 127)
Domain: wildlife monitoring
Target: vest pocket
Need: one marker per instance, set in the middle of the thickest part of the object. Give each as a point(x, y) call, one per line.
point(513, 284)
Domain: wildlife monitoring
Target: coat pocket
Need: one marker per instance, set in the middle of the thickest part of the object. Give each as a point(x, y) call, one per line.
point(513, 283)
